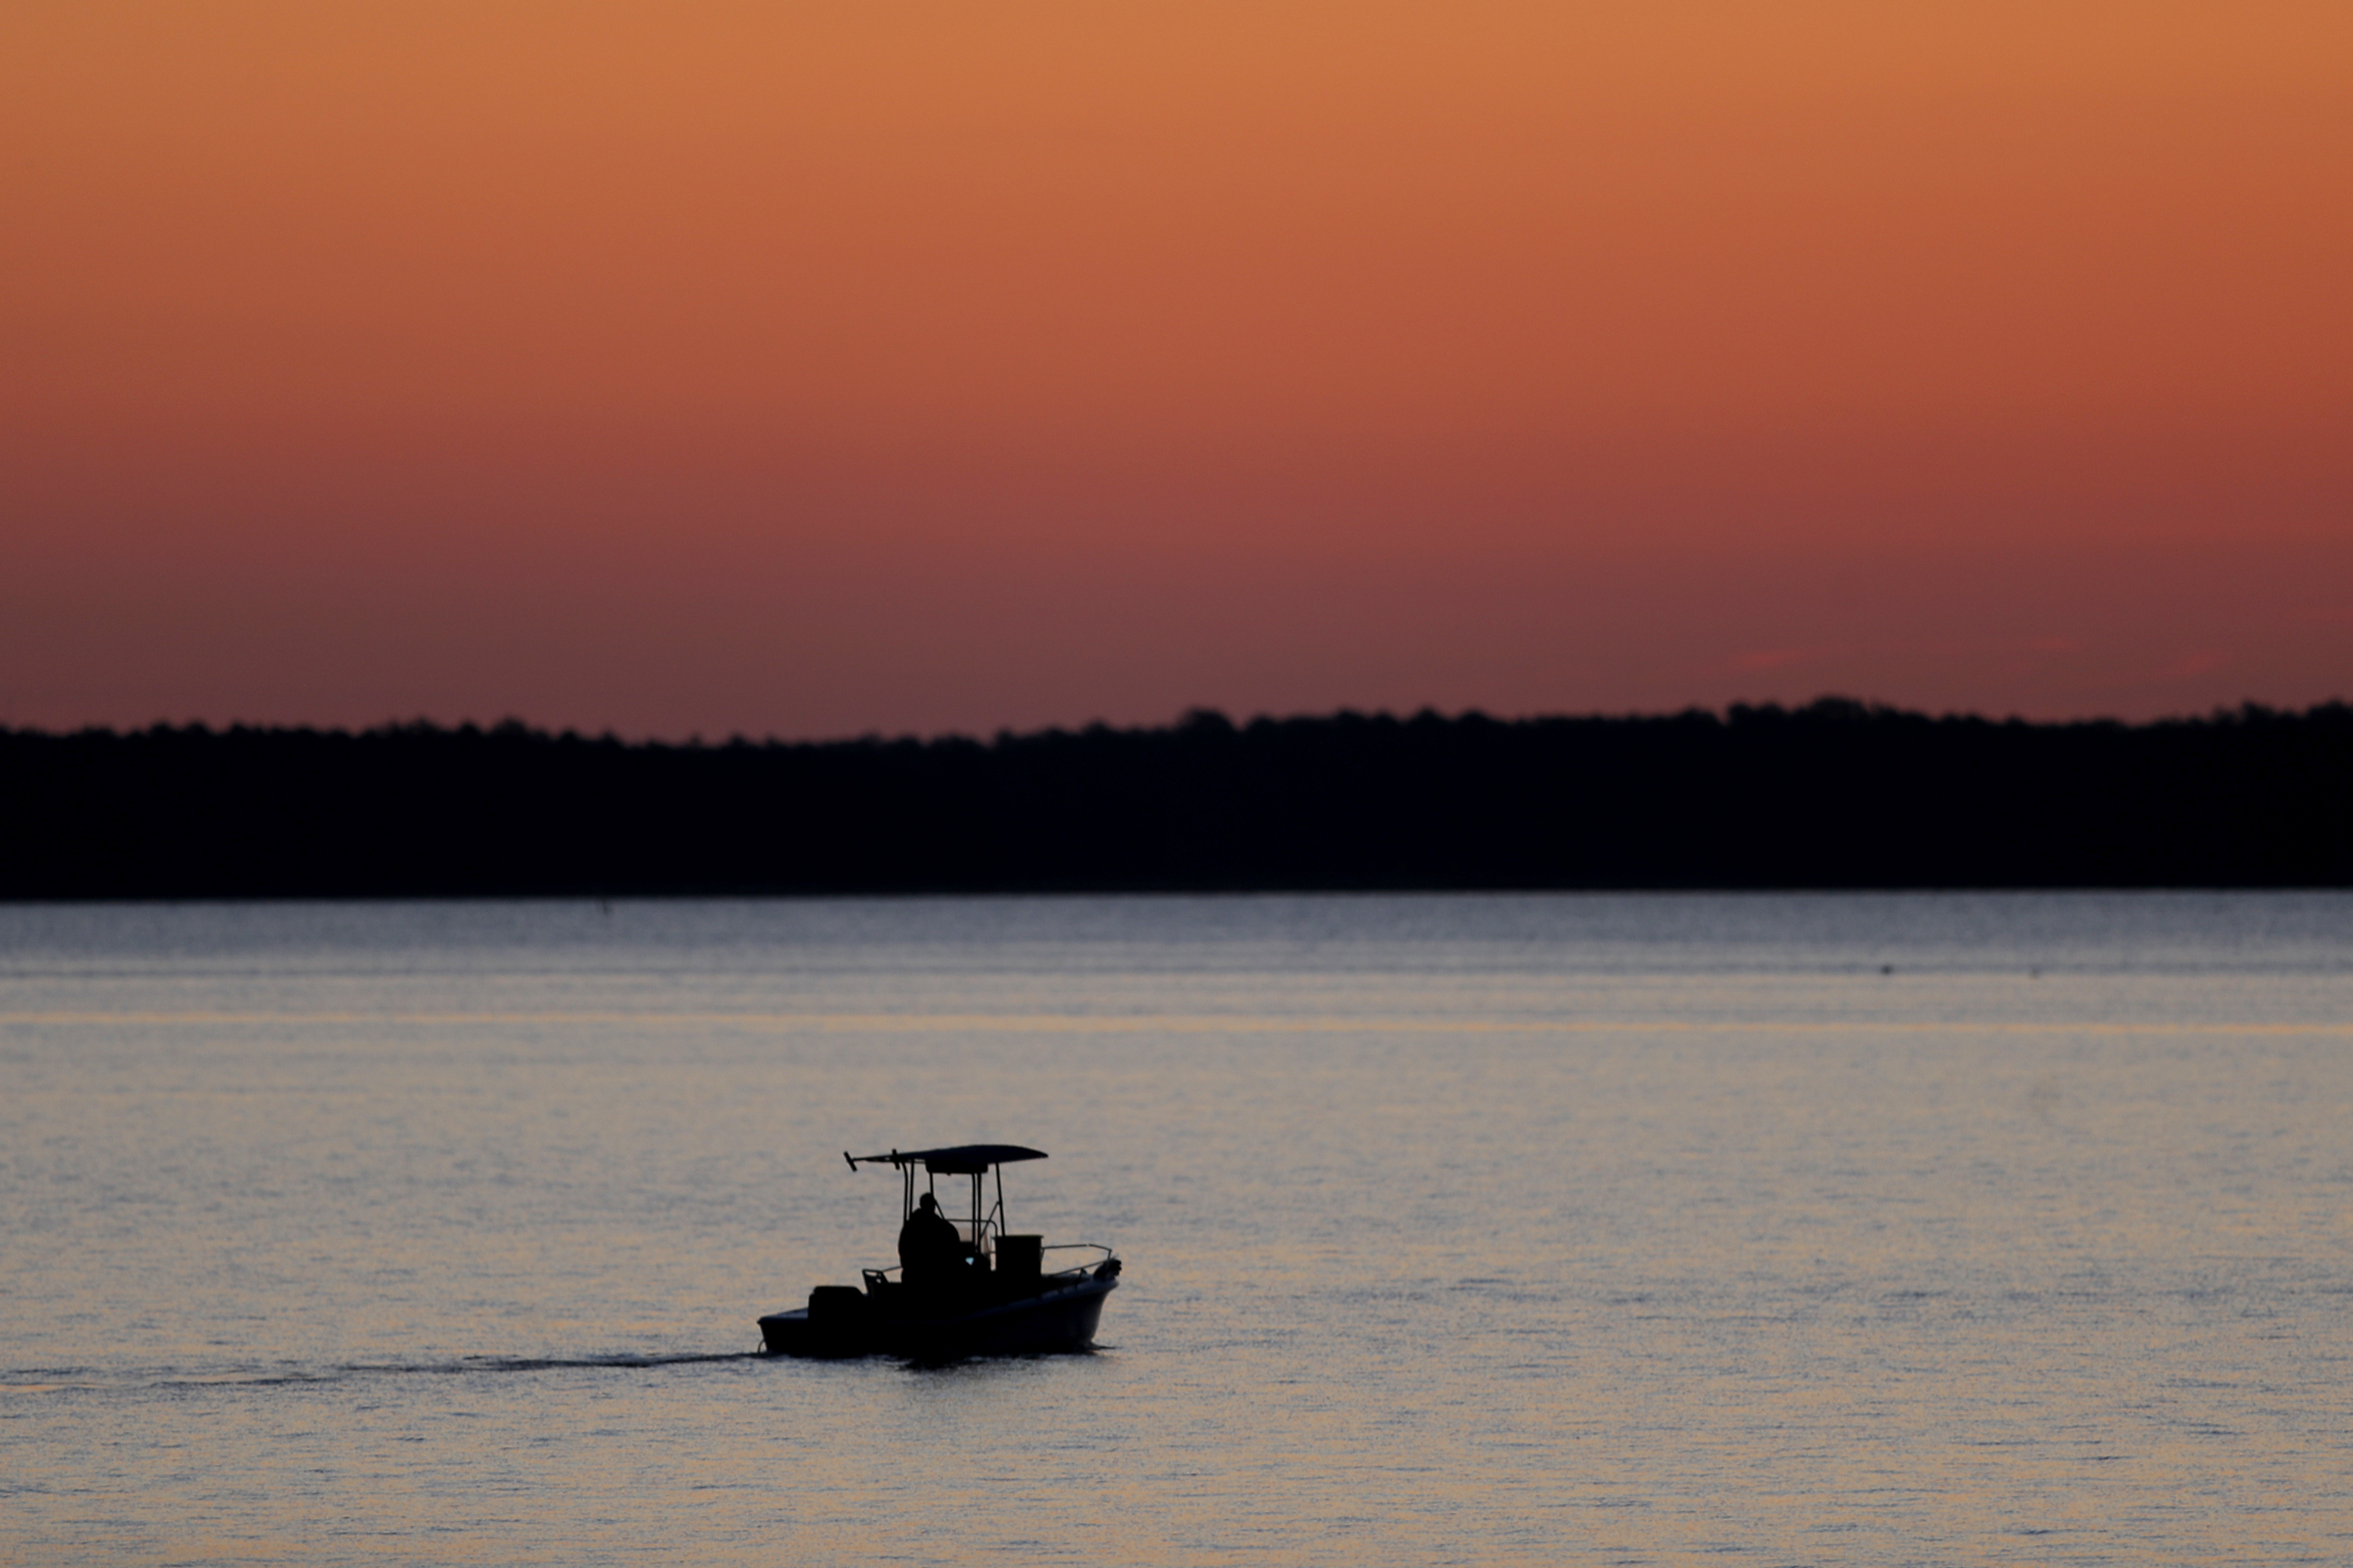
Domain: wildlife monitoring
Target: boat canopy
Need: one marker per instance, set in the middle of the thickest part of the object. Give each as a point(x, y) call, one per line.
point(964, 1159)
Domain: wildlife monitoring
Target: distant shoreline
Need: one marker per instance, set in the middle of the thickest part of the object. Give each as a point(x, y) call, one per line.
point(1833, 796)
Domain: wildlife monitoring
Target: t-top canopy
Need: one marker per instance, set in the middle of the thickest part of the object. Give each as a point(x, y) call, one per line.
point(964, 1159)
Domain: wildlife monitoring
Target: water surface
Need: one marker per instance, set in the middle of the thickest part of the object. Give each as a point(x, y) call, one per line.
point(1459, 1229)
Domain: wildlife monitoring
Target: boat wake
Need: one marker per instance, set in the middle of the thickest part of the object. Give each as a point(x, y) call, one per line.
point(71, 1379)
point(544, 1363)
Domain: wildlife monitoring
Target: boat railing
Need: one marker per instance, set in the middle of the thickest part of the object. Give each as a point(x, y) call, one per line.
point(874, 1276)
point(1093, 1246)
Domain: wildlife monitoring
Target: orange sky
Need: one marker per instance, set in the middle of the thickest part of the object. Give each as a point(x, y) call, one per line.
point(818, 369)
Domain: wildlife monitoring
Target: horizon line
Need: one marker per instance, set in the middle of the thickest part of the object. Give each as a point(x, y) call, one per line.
point(1829, 707)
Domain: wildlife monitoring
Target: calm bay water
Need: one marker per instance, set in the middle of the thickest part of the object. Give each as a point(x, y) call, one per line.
point(1512, 1230)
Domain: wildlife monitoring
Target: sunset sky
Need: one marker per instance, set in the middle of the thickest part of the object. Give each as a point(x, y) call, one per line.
point(814, 370)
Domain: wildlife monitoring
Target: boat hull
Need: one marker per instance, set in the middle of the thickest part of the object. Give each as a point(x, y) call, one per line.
point(1063, 1318)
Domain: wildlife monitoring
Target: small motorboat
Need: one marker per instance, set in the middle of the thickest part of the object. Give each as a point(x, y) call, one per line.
point(988, 1292)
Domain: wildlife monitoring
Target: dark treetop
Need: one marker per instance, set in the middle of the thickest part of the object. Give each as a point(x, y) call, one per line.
point(1835, 794)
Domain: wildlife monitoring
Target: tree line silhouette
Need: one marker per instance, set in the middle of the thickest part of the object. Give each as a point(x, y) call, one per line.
point(1833, 794)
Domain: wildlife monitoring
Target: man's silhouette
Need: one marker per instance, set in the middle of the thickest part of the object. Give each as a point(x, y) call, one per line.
point(929, 1245)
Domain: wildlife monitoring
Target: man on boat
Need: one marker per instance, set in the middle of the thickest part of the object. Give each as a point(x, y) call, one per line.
point(929, 1244)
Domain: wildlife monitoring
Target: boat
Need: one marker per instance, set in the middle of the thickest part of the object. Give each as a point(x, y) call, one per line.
point(990, 1293)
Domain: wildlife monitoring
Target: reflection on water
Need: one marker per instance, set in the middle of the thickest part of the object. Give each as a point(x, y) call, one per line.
point(1813, 1229)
